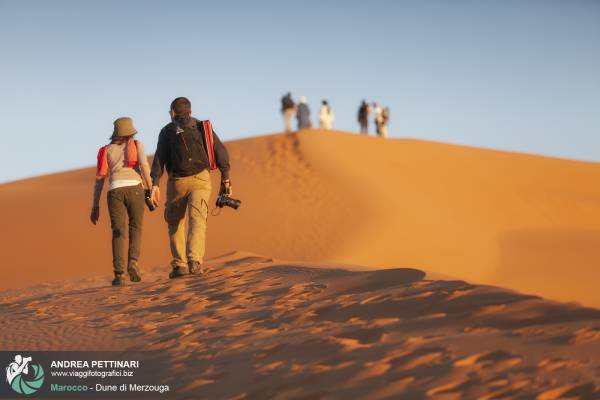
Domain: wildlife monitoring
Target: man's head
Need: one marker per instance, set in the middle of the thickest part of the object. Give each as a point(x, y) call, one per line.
point(18, 359)
point(181, 108)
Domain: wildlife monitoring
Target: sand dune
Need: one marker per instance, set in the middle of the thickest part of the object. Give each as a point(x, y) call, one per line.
point(258, 328)
point(519, 221)
point(394, 242)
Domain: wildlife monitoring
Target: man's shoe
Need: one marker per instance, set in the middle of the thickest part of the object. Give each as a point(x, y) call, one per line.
point(196, 268)
point(118, 281)
point(134, 272)
point(177, 272)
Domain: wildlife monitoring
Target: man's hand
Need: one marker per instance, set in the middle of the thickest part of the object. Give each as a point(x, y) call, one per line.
point(225, 187)
point(155, 196)
point(95, 215)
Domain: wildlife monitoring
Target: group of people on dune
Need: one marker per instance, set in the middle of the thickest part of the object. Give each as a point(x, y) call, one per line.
point(301, 111)
point(289, 109)
point(381, 118)
point(188, 149)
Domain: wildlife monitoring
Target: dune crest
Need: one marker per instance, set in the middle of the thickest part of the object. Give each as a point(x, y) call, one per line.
point(519, 221)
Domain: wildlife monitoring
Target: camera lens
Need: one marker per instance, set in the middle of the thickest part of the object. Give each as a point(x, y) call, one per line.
point(226, 201)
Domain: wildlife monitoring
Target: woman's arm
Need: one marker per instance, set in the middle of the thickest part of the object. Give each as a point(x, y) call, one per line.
point(144, 166)
point(97, 192)
point(95, 214)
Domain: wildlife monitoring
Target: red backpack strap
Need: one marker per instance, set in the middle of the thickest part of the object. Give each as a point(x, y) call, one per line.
point(102, 165)
point(132, 153)
point(210, 144)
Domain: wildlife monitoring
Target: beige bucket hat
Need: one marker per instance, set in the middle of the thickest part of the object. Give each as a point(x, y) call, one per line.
point(124, 127)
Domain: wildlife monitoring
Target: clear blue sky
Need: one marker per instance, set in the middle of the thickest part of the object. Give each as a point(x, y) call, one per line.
point(515, 74)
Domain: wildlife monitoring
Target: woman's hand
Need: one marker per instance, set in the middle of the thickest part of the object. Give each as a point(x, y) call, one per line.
point(155, 195)
point(95, 214)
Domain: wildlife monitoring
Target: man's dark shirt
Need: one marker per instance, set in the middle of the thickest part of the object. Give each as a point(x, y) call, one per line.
point(287, 103)
point(183, 152)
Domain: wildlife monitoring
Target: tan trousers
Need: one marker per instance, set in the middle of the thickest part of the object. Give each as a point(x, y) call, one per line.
point(187, 196)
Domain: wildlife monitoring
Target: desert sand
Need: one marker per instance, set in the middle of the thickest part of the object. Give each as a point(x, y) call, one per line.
point(519, 221)
point(260, 328)
point(356, 268)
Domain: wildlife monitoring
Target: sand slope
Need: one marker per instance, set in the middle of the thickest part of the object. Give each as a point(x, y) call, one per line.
point(518, 221)
point(258, 328)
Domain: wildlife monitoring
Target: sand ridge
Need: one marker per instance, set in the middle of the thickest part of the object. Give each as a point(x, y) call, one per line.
point(257, 327)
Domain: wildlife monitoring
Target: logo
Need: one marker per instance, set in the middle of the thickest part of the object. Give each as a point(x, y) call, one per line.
point(24, 377)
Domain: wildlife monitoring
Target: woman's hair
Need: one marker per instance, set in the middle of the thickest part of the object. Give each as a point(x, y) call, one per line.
point(114, 139)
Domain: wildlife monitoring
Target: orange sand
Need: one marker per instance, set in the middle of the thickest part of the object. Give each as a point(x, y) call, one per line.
point(524, 222)
point(258, 328)
point(356, 316)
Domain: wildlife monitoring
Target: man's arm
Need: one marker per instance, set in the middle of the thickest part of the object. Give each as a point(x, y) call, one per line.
point(160, 157)
point(158, 165)
point(222, 157)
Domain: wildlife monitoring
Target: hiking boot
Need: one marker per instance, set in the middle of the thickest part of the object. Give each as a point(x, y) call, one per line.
point(134, 272)
point(177, 272)
point(196, 267)
point(118, 281)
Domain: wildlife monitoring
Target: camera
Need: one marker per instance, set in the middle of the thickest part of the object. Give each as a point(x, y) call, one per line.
point(148, 199)
point(226, 201)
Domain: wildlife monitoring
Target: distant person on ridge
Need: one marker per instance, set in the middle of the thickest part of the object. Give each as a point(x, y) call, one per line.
point(326, 116)
point(303, 114)
point(124, 162)
point(363, 117)
point(385, 119)
point(378, 118)
point(182, 149)
point(288, 108)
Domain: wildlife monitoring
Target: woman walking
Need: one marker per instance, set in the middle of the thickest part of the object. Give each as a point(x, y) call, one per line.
point(124, 163)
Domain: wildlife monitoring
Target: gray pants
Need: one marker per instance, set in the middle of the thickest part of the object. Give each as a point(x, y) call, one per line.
point(126, 209)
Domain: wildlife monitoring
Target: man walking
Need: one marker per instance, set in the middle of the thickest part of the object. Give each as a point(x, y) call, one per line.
point(288, 108)
point(363, 117)
point(385, 120)
point(303, 114)
point(378, 118)
point(184, 148)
